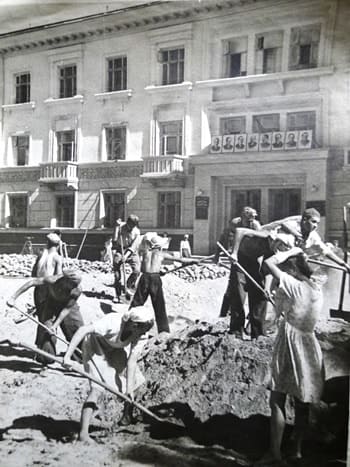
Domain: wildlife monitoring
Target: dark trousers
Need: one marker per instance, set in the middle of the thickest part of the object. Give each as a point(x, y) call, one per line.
point(134, 262)
point(151, 284)
point(256, 299)
point(48, 313)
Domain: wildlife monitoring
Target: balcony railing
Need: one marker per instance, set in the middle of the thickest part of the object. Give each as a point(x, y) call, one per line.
point(59, 172)
point(162, 166)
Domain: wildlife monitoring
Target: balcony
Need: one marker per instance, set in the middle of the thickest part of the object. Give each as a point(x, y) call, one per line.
point(164, 168)
point(59, 172)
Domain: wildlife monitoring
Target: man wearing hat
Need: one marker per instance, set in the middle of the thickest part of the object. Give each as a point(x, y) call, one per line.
point(150, 283)
point(48, 263)
point(105, 357)
point(60, 307)
point(126, 240)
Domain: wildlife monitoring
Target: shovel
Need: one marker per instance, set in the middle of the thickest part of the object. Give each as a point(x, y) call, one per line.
point(340, 313)
point(84, 374)
point(241, 268)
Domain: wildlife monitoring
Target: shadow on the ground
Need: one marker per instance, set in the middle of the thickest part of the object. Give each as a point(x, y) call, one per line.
point(246, 439)
point(23, 366)
point(57, 430)
point(99, 295)
point(9, 350)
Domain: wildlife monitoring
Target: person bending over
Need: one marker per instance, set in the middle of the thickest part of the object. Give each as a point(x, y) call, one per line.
point(105, 345)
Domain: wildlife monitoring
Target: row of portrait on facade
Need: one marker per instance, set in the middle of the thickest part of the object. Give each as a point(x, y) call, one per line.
point(273, 141)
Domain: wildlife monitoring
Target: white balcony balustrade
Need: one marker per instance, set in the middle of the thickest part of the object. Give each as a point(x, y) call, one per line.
point(59, 172)
point(162, 166)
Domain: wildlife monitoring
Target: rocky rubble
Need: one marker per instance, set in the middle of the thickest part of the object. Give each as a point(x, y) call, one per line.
point(15, 265)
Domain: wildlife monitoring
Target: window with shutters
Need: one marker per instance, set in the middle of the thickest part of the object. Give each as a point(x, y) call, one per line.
point(268, 52)
point(235, 57)
point(116, 74)
point(67, 81)
point(232, 125)
point(266, 123)
point(169, 209)
point(21, 149)
point(115, 143)
point(22, 88)
point(304, 46)
point(65, 210)
point(66, 146)
point(170, 134)
point(18, 210)
point(173, 65)
point(297, 121)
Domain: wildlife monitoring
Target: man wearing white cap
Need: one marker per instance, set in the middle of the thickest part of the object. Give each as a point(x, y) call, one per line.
point(105, 357)
point(60, 307)
point(150, 283)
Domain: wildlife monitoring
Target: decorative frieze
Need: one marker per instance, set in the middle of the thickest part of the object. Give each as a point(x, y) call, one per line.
point(110, 172)
point(19, 175)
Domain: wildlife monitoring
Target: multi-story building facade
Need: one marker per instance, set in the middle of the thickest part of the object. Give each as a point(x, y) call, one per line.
point(179, 112)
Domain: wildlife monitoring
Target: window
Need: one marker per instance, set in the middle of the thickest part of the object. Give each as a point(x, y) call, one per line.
point(268, 52)
point(170, 138)
point(284, 203)
point(66, 146)
point(169, 209)
point(68, 81)
point(22, 88)
point(115, 143)
point(304, 45)
point(114, 208)
point(302, 121)
point(18, 210)
point(173, 62)
point(242, 198)
point(236, 57)
point(65, 211)
point(20, 149)
point(117, 74)
point(232, 125)
point(266, 123)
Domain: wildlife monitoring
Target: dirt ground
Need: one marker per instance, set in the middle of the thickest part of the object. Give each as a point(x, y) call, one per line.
point(40, 406)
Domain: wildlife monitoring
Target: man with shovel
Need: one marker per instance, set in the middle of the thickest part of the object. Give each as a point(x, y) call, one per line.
point(126, 241)
point(104, 356)
point(60, 307)
point(150, 282)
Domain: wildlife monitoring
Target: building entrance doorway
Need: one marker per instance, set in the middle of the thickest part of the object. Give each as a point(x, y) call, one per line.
point(284, 203)
point(241, 198)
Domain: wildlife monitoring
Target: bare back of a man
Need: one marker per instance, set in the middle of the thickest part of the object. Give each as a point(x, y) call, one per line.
point(152, 260)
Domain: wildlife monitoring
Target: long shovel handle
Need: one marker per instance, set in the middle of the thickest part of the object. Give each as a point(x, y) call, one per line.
point(91, 378)
point(241, 268)
point(327, 265)
point(58, 337)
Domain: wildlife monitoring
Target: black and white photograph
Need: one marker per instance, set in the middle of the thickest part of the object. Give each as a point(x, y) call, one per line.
point(291, 140)
point(305, 139)
point(228, 143)
point(240, 142)
point(265, 141)
point(216, 144)
point(253, 142)
point(174, 225)
point(277, 140)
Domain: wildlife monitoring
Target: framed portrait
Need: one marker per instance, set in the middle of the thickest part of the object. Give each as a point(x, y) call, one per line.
point(277, 140)
point(241, 142)
point(291, 141)
point(228, 142)
point(216, 144)
point(265, 141)
point(305, 139)
point(253, 142)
